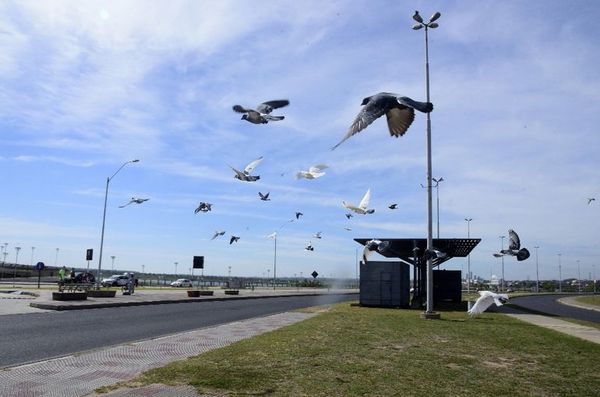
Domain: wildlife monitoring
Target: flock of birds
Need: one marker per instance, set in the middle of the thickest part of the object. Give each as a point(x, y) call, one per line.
point(400, 114)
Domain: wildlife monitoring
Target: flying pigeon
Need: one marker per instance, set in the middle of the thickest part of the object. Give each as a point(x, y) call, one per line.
point(134, 200)
point(485, 300)
point(434, 254)
point(233, 239)
point(217, 234)
point(245, 175)
point(349, 216)
point(590, 199)
point(272, 235)
point(314, 172)
point(317, 235)
point(203, 207)
point(514, 247)
point(298, 215)
point(348, 229)
point(374, 245)
point(399, 111)
point(264, 197)
point(393, 206)
point(362, 206)
point(262, 114)
point(309, 247)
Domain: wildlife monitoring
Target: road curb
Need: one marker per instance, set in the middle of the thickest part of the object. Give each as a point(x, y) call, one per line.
point(101, 305)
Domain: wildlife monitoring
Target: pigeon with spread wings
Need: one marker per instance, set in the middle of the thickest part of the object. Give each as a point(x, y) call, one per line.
point(362, 206)
point(514, 247)
point(134, 200)
point(314, 172)
point(485, 300)
point(245, 175)
point(399, 110)
point(262, 113)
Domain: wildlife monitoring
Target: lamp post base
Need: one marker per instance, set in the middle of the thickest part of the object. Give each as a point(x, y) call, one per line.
point(431, 316)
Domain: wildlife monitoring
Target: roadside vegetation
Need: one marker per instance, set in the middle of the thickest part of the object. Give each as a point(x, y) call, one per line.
point(354, 351)
point(590, 300)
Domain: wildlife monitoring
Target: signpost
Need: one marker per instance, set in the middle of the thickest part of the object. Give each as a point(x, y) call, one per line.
point(89, 255)
point(314, 274)
point(39, 266)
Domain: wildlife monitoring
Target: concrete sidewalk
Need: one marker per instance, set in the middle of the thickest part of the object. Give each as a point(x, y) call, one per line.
point(580, 331)
point(80, 374)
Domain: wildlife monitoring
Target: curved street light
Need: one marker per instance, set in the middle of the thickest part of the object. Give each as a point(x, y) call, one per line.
point(429, 313)
point(104, 214)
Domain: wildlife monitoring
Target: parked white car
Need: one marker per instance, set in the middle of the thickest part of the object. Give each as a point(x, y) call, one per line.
point(182, 282)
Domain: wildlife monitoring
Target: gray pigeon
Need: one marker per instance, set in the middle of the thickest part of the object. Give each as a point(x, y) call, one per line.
point(203, 207)
point(245, 175)
point(399, 111)
point(393, 206)
point(262, 114)
point(218, 234)
point(374, 245)
point(264, 197)
point(233, 239)
point(514, 247)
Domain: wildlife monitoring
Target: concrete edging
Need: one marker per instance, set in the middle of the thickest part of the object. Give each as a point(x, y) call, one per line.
point(100, 305)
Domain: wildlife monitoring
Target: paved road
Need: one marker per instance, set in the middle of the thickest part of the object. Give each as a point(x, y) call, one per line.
point(33, 337)
point(549, 304)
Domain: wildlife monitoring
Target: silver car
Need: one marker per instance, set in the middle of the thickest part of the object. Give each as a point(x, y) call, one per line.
point(181, 282)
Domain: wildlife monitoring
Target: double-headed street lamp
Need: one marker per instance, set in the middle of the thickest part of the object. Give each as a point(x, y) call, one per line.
point(104, 214)
point(469, 256)
point(429, 313)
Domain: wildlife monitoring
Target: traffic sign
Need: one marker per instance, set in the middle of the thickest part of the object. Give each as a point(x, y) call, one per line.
point(40, 266)
point(314, 274)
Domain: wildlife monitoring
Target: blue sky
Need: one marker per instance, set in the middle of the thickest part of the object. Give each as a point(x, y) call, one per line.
point(86, 86)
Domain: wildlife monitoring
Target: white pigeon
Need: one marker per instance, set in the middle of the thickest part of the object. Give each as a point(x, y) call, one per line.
point(399, 111)
point(317, 235)
point(374, 245)
point(245, 175)
point(362, 206)
point(309, 247)
point(134, 200)
point(218, 234)
point(485, 300)
point(314, 172)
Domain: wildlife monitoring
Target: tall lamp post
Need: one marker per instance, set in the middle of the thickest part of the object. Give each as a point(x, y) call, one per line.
point(437, 199)
point(17, 249)
point(176, 263)
point(56, 257)
point(112, 267)
point(468, 256)
point(559, 274)
point(537, 273)
point(594, 276)
point(429, 313)
point(502, 259)
point(104, 213)
point(31, 262)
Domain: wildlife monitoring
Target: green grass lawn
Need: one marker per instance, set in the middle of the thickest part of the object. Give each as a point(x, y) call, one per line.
point(356, 351)
point(590, 300)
